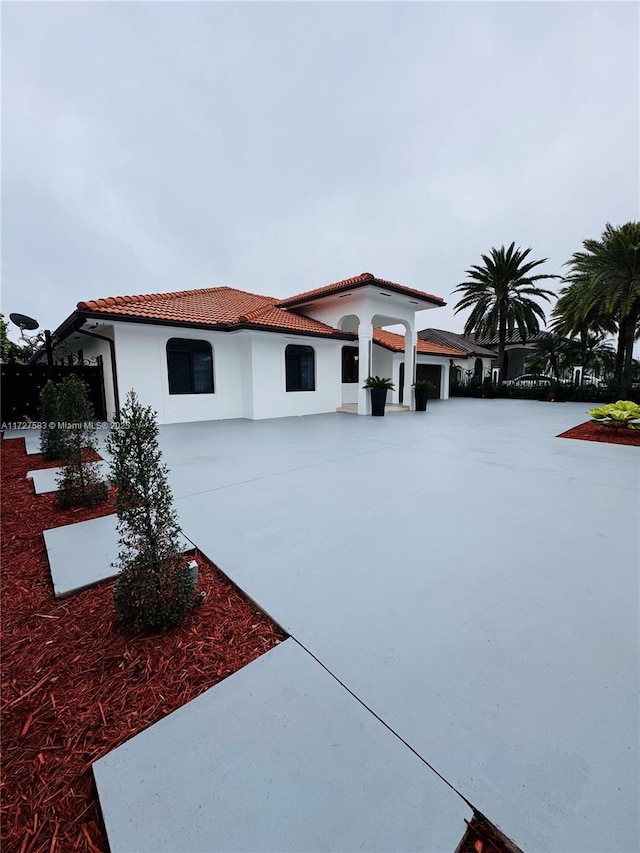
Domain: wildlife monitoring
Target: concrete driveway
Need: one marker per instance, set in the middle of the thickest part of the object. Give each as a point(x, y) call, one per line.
point(468, 575)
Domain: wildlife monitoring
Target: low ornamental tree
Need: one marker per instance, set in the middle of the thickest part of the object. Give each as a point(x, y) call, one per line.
point(50, 435)
point(155, 586)
point(79, 482)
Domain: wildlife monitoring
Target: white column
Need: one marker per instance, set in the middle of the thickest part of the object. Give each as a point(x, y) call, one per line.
point(446, 378)
point(395, 378)
point(410, 345)
point(365, 337)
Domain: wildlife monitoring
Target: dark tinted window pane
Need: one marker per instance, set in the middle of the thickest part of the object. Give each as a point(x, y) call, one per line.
point(300, 368)
point(306, 372)
point(190, 366)
point(179, 372)
point(202, 373)
point(349, 364)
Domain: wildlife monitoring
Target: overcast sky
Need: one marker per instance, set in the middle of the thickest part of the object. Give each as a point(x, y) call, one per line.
point(277, 147)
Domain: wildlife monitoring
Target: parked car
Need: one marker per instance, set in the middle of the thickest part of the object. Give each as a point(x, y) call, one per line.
point(594, 381)
point(530, 380)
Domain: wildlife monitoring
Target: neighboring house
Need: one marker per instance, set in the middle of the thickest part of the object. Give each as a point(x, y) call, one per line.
point(475, 362)
point(516, 352)
point(225, 353)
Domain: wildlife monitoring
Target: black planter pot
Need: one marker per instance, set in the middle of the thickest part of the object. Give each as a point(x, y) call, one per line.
point(378, 399)
point(422, 395)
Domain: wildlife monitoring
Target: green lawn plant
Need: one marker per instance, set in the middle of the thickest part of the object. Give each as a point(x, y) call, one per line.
point(155, 587)
point(620, 415)
point(79, 483)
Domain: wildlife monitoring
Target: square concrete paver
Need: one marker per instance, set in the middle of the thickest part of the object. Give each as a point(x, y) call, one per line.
point(82, 554)
point(467, 574)
point(277, 757)
point(46, 479)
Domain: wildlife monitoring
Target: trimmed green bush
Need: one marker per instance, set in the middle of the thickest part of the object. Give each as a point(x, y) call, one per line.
point(155, 589)
point(50, 436)
point(79, 483)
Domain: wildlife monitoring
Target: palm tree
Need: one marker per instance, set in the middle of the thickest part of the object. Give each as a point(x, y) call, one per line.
point(551, 353)
point(502, 294)
point(604, 284)
point(597, 355)
point(580, 317)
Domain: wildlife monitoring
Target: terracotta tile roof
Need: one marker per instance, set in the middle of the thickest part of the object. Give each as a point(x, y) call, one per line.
point(361, 280)
point(212, 306)
point(276, 319)
point(395, 342)
point(468, 345)
point(220, 307)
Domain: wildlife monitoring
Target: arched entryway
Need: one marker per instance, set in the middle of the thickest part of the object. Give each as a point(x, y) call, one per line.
point(373, 360)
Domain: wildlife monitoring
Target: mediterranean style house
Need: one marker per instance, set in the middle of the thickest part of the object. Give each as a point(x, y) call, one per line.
point(477, 361)
point(225, 353)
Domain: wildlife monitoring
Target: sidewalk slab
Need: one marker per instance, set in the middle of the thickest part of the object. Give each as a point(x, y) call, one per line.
point(81, 555)
point(46, 479)
point(31, 438)
point(277, 757)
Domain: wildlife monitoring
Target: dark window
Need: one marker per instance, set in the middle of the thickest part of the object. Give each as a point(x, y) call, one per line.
point(300, 368)
point(350, 364)
point(190, 366)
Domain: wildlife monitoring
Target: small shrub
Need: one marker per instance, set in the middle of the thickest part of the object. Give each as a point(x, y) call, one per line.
point(488, 388)
point(458, 390)
point(79, 483)
point(378, 382)
point(50, 436)
point(154, 599)
point(562, 393)
point(620, 415)
point(155, 588)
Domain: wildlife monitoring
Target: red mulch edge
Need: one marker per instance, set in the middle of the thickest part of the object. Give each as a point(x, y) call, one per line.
point(74, 686)
point(595, 432)
point(483, 837)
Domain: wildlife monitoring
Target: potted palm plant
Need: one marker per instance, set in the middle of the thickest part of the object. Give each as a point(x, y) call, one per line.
point(422, 390)
point(378, 385)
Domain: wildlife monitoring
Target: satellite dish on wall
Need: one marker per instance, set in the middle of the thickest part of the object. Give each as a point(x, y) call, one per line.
point(24, 322)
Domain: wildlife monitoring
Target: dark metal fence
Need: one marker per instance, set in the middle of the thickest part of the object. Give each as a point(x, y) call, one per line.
point(22, 383)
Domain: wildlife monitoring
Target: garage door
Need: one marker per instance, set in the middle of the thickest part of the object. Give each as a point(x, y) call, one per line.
point(431, 373)
point(427, 372)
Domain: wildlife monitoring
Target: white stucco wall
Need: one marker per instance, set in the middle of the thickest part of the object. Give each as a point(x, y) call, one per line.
point(382, 362)
point(349, 392)
point(248, 368)
point(142, 364)
point(270, 397)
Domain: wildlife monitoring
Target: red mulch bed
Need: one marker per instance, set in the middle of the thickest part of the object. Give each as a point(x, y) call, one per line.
point(74, 686)
point(594, 432)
